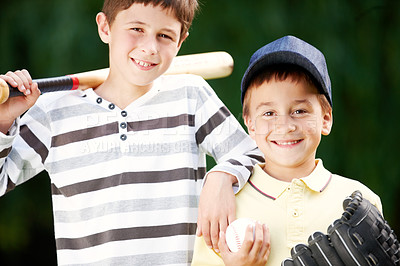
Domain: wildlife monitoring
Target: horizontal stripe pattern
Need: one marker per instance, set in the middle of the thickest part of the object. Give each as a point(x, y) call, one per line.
point(10, 185)
point(127, 206)
point(125, 183)
point(126, 234)
point(164, 122)
point(34, 142)
point(129, 178)
point(84, 134)
point(104, 152)
point(170, 258)
point(211, 124)
point(100, 255)
point(5, 152)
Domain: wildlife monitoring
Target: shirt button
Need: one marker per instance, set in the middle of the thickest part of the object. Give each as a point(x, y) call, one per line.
point(123, 137)
point(124, 113)
point(111, 106)
point(296, 213)
point(123, 125)
point(99, 100)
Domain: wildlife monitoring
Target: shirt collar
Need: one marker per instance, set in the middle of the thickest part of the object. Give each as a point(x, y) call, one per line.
point(271, 187)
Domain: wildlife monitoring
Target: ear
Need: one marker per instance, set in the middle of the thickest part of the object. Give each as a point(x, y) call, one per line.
point(327, 122)
point(103, 27)
point(182, 40)
point(251, 129)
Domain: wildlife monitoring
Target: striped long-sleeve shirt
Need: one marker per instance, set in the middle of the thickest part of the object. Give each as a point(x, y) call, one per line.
point(125, 183)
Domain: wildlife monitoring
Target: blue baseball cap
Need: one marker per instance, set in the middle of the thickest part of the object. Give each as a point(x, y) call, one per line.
point(290, 50)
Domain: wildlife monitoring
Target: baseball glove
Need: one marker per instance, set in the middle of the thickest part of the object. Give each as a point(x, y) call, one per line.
point(361, 237)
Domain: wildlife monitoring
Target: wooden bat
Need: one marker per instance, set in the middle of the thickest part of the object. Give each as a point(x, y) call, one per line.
point(209, 65)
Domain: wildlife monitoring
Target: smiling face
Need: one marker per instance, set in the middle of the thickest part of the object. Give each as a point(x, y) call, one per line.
point(142, 40)
point(286, 120)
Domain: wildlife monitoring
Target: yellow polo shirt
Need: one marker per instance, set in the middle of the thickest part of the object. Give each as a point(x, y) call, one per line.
point(292, 210)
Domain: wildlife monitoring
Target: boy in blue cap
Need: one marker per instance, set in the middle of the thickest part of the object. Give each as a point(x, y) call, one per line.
point(287, 107)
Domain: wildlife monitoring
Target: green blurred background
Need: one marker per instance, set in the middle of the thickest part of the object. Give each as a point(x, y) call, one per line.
point(360, 39)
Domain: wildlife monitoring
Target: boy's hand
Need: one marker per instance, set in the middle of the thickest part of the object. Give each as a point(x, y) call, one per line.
point(217, 207)
point(16, 106)
point(252, 252)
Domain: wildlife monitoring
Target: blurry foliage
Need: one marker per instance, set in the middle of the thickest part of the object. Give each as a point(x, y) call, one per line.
point(360, 39)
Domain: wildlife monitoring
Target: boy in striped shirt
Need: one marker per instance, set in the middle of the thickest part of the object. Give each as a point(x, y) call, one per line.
point(127, 159)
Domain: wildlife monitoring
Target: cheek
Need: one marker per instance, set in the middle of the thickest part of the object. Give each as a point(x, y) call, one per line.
point(261, 142)
point(311, 126)
point(263, 128)
point(122, 43)
point(169, 50)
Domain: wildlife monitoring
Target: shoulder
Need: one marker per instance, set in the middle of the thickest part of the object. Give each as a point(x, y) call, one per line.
point(187, 82)
point(182, 80)
point(341, 181)
point(187, 85)
point(344, 186)
point(53, 100)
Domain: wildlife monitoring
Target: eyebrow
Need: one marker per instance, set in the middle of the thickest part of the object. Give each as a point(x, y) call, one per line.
point(262, 104)
point(136, 22)
point(305, 101)
point(146, 24)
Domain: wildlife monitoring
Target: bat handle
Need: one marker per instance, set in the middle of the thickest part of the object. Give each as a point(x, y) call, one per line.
point(45, 85)
point(63, 83)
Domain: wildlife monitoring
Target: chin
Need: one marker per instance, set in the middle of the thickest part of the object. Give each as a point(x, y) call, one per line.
point(286, 161)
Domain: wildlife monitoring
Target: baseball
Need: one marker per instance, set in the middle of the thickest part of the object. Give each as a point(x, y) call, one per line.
point(236, 231)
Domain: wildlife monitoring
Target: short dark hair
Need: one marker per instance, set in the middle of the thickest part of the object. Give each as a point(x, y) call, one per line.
point(281, 72)
point(184, 10)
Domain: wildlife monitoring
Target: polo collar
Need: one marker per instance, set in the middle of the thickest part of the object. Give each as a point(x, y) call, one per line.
point(272, 188)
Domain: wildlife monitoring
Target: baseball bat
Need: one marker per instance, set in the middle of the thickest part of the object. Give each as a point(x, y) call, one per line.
point(209, 65)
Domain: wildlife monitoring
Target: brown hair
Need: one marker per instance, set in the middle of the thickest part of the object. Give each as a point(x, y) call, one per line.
point(281, 72)
point(184, 10)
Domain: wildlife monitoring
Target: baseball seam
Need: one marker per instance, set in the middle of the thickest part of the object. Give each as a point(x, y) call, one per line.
point(237, 238)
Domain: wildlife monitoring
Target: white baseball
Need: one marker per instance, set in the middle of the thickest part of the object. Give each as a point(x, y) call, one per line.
point(236, 231)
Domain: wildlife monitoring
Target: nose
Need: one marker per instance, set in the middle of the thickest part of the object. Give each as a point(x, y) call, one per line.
point(149, 45)
point(284, 124)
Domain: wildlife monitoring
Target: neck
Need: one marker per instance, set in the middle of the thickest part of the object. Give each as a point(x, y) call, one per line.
point(121, 94)
point(288, 173)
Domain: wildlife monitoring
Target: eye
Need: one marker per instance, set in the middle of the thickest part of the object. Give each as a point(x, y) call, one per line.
point(300, 112)
point(268, 113)
point(165, 36)
point(137, 29)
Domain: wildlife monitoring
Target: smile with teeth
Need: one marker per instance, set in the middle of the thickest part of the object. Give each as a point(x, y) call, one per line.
point(142, 63)
point(286, 143)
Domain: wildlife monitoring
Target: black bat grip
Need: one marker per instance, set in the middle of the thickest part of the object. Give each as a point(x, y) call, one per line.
point(63, 83)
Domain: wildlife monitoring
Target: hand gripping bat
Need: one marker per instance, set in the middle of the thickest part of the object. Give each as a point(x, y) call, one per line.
point(209, 65)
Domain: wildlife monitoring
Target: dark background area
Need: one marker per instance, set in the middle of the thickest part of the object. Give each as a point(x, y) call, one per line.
point(360, 39)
